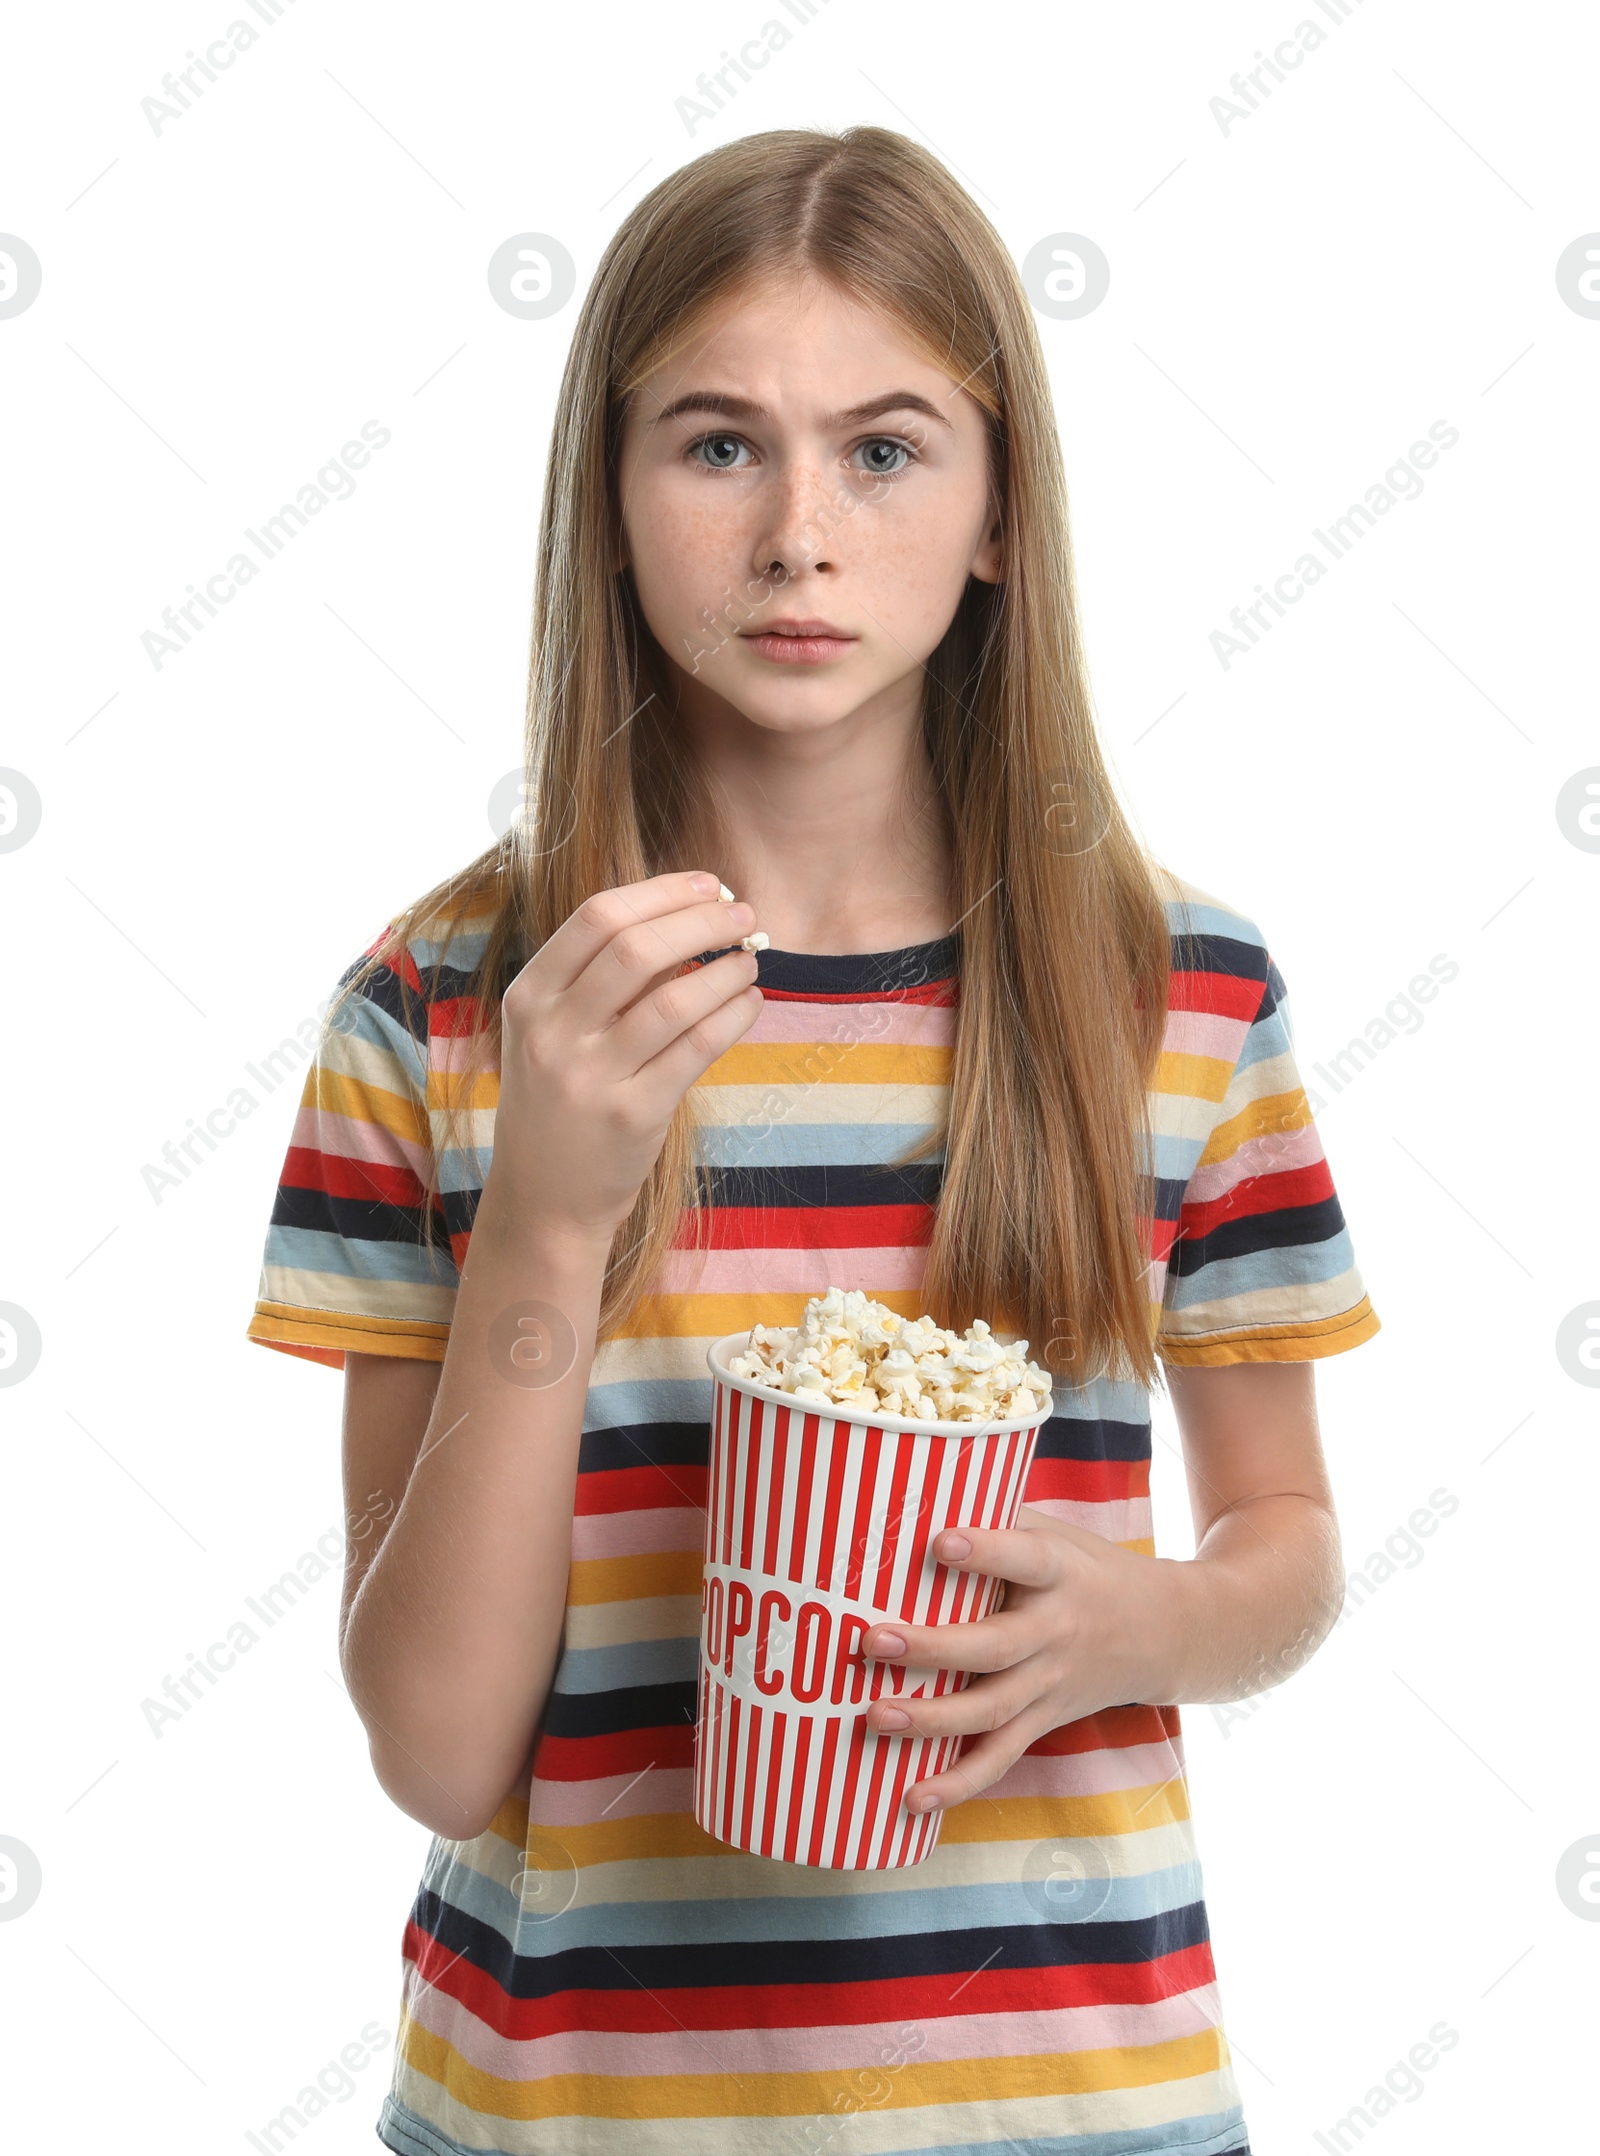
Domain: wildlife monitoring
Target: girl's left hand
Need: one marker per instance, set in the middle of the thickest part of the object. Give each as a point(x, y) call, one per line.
point(1085, 1624)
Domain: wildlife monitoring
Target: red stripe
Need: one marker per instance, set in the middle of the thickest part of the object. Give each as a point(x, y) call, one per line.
point(730, 1769)
point(838, 1457)
point(640, 1489)
point(907, 1446)
point(719, 1708)
point(1280, 1190)
point(308, 1167)
point(834, 1228)
point(774, 1776)
point(629, 2009)
point(1086, 1482)
point(775, 1482)
point(933, 1457)
point(869, 1810)
point(925, 992)
point(622, 1751)
point(953, 1510)
point(984, 1449)
point(755, 1417)
point(891, 1809)
point(805, 1482)
point(752, 1761)
point(1113, 1729)
point(861, 1525)
point(854, 1748)
point(824, 1779)
point(732, 1404)
point(913, 1819)
point(1225, 995)
point(802, 1752)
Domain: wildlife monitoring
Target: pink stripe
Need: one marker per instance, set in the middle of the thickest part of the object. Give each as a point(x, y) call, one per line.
point(1273, 1154)
point(348, 1137)
point(833, 2048)
point(1102, 1772)
point(637, 1534)
point(837, 1025)
point(1116, 1519)
point(765, 1271)
point(1204, 1033)
point(448, 1051)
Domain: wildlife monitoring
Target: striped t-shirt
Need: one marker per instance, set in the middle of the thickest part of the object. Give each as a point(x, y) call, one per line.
point(596, 1976)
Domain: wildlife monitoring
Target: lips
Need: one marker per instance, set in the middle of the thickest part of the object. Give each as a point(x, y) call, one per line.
point(799, 643)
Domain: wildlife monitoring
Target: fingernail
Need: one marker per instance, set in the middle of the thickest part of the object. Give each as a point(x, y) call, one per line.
point(889, 1645)
point(957, 1546)
point(724, 894)
point(892, 1718)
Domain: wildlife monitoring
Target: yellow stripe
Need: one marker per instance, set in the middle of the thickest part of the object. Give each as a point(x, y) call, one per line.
point(632, 1579)
point(1299, 1342)
point(1194, 1077)
point(1273, 1115)
point(709, 1317)
point(364, 1102)
point(1023, 1821)
point(754, 1109)
point(465, 1091)
point(800, 2095)
point(287, 1324)
point(827, 1062)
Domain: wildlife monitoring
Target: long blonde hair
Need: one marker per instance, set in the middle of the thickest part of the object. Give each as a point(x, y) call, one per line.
point(1042, 1225)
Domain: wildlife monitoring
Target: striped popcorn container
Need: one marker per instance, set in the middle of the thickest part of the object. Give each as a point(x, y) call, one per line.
point(818, 1528)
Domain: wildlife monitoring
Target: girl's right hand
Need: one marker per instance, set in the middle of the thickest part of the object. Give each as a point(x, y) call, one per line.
point(599, 1043)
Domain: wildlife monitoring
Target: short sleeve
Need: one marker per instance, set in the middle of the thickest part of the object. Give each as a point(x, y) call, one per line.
point(347, 1263)
point(1261, 1268)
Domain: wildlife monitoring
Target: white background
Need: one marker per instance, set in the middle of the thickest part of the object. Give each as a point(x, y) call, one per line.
point(1292, 303)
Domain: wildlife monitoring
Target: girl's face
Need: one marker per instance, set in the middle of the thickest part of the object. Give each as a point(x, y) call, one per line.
point(798, 465)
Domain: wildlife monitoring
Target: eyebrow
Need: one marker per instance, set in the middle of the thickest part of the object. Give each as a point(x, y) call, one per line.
point(718, 400)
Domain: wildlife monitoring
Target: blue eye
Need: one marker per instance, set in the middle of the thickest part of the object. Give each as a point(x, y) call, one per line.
point(878, 444)
point(717, 443)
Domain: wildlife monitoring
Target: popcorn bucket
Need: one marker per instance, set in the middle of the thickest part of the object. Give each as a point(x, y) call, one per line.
point(817, 1528)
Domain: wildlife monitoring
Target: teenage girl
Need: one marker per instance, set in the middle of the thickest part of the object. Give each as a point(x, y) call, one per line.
point(805, 633)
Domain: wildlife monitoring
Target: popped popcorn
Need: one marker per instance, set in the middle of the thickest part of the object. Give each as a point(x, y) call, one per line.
point(853, 1352)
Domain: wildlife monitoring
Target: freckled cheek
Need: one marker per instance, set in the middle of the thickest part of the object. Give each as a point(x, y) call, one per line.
point(912, 577)
point(685, 557)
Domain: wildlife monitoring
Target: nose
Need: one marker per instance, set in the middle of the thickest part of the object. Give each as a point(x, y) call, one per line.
point(801, 527)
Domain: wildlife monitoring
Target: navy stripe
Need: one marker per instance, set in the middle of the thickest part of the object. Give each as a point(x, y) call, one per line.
point(887, 1958)
point(754, 1189)
point(1284, 1228)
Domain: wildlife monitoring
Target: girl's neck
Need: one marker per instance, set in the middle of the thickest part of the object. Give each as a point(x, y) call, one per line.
point(835, 835)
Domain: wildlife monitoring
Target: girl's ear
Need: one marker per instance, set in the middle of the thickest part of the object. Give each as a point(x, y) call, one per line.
point(988, 560)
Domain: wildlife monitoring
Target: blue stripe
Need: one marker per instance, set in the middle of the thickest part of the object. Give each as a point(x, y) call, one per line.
point(1286, 1265)
point(777, 1141)
point(319, 1250)
point(1216, 2133)
point(644, 1661)
point(693, 1920)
